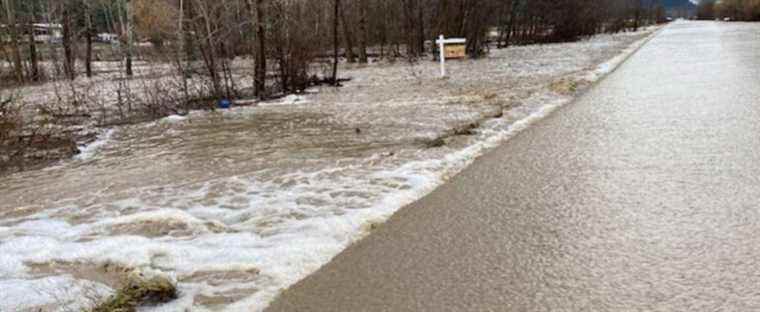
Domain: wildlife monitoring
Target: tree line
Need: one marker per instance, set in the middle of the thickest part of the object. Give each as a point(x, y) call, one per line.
point(289, 44)
point(737, 10)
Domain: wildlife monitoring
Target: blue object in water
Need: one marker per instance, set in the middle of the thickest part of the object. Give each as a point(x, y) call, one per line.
point(225, 104)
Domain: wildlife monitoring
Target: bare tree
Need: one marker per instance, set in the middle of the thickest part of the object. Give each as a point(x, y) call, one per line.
point(88, 34)
point(69, 57)
point(348, 35)
point(362, 6)
point(33, 55)
point(10, 9)
point(286, 39)
point(336, 42)
point(126, 21)
point(261, 57)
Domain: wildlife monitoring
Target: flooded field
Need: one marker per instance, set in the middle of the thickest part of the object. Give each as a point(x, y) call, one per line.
point(237, 205)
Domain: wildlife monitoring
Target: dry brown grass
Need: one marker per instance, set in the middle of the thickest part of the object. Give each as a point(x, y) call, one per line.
point(138, 291)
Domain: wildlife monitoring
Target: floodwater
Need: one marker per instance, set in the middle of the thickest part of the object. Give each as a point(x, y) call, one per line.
point(643, 195)
point(214, 196)
point(236, 205)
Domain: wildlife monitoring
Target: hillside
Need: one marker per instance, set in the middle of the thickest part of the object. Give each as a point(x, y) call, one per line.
point(671, 4)
point(680, 8)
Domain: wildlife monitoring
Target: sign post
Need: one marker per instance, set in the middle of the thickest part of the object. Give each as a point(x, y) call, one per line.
point(456, 50)
point(442, 57)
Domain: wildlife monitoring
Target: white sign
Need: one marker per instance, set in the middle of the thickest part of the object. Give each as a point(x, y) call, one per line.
point(442, 42)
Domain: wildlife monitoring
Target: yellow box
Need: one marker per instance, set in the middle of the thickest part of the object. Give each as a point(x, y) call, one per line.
point(455, 51)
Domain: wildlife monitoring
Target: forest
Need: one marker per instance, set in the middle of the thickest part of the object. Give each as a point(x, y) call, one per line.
point(736, 10)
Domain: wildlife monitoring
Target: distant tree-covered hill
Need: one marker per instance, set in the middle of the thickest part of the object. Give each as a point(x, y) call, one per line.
point(678, 4)
point(679, 8)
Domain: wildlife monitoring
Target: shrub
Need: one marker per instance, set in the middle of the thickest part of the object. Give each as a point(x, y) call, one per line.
point(139, 291)
point(10, 118)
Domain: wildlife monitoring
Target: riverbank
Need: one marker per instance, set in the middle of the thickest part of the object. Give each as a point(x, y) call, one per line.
point(237, 205)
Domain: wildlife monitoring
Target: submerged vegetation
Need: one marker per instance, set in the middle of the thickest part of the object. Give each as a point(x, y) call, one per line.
point(138, 291)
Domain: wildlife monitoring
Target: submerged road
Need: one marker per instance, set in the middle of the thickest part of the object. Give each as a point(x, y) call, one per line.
point(643, 195)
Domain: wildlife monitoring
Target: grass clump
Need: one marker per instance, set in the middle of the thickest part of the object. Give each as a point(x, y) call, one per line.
point(434, 143)
point(565, 86)
point(139, 291)
point(469, 129)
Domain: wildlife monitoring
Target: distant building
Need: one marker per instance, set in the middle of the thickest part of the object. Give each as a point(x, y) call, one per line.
point(43, 33)
point(107, 38)
point(48, 33)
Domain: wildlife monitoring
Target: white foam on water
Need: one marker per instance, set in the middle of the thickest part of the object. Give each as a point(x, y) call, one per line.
point(88, 151)
point(174, 119)
point(291, 99)
point(55, 293)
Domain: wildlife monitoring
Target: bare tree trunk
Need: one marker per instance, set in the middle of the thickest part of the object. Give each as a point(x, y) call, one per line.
point(440, 17)
point(18, 68)
point(127, 30)
point(420, 29)
point(637, 15)
point(209, 49)
point(336, 42)
point(88, 37)
point(512, 18)
point(189, 42)
point(503, 25)
point(414, 28)
point(362, 31)
point(408, 26)
point(348, 35)
point(180, 32)
point(383, 33)
point(33, 58)
point(181, 48)
point(69, 59)
point(260, 74)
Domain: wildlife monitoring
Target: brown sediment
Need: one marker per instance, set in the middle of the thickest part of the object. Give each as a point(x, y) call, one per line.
point(223, 298)
point(32, 152)
point(219, 278)
point(167, 227)
point(109, 274)
point(19, 212)
point(152, 228)
point(470, 128)
point(216, 278)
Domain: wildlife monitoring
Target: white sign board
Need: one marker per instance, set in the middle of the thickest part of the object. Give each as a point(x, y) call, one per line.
point(442, 42)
